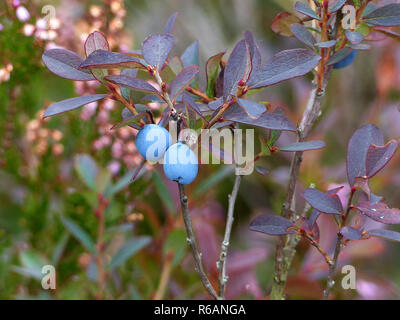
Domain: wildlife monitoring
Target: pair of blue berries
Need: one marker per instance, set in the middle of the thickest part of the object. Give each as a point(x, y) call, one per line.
point(154, 142)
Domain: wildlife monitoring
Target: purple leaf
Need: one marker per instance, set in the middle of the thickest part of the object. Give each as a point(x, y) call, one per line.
point(237, 68)
point(182, 80)
point(379, 212)
point(310, 227)
point(326, 44)
point(359, 46)
point(215, 104)
point(334, 190)
point(303, 35)
point(271, 224)
point(306, 10)
point(108, 59)
point(284, 65)
point(304, 146)
point(255, 55)
point(188, 100)
point(253, 109)
point(169, 26)
point(339, 56)
point(128, 121)
point(323, 202)
point(358, 148)
point(379, 156)
point(191, 55)
point(156, 49)
point(387, 16)
point(354, 37)
point(132, 83)
point(212, 67)
point(336, 6)
point(314, 216)
point(65, 63)
point(351, 233)
point(70, 104)
point(266, 120)
point(96, 41)
point(385, 234)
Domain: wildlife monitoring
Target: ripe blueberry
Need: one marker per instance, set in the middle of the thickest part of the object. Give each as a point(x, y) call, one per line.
point(180, 163)
point(152, 141)
point(346, 61)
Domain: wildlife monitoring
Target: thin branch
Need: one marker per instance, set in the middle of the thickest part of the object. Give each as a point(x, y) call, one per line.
point(221, 263)
point(200, 94)
point(193, 243)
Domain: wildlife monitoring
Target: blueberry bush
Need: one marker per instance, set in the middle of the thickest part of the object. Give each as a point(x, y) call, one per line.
point(140, 176)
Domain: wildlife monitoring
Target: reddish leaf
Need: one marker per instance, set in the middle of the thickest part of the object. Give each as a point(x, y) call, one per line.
point(358, 148)
point(212, 67)
point(108, 59)
point(70, 104)
point(132, 83)
point(266, 120)
point(237, 68)
point(310, 227)
point(65, 63)
point(351, 233)
point(182, 80)
point(255, 55)
point(271, 224)
point(385, 234)
point(379, 212)
point(379, 156)
point(387, 16)
point(323, 202)
point(284, 65)
point(304, 146)
point(303, 35)
point(156, 49)
point(306, 10)
point(253, 109)
point(169, 26)
point(282, 22)
point(96, 41)
point(188, 100)
point(354, 37)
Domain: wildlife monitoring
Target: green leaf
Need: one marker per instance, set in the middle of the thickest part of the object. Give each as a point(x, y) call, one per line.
point(128, 250)
point(176, 242)
point(212, 67)
point(213, 180)
point(87, 170)
point(164, 193)
point(79, 234)
point(121, 184)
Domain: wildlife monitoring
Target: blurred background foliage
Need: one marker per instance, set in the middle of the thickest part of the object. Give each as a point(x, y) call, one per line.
point(58, 177)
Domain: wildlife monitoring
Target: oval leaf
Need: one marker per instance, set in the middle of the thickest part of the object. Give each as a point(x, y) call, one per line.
point(79, 234)
point(156, 49)
point(282, 22)
point(304, 146)
point(284, 65)
point(95, 41)
point(253, 109)
point(303, 35)
point(354, 37)
point(272, 225)
point(323, 202)
point(339, 56)
point(266, 120)
point(385, 234)
point(108, 59)
point(326, 44)
point(182, 80)
point(212, 67)
point(379, 156)
point(128, 250)
point(65, 63)
point(87, 170)
point(132, 83)
point(379, 212)
point(237, 68)
point(306, 10)
point(358, 148)
point(70, 104)
point(387, 16)
point(255, 55)
point(170, 25)
point(351, 233)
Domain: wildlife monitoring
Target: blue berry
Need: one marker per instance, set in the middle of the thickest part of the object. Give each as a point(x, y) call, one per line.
point(152, 141)
point(346, 61)
point(180, 163)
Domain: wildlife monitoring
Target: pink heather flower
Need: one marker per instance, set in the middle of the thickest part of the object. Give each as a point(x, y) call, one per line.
point(109, 104)
point(22, 14)
point(114, 167)
point(41, 24)
point(16, 3)
point(117, 149)
point(29, 29)
point(89, 110)
point(1, 27)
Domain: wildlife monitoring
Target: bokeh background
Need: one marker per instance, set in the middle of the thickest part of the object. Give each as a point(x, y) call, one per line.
point(44, 195)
